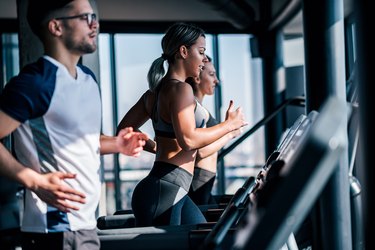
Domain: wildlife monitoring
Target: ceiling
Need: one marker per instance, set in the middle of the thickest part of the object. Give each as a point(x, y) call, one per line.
point(241, 14)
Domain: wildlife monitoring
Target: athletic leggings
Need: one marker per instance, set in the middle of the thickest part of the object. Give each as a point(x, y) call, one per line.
point(161, 198)
point(201, 187)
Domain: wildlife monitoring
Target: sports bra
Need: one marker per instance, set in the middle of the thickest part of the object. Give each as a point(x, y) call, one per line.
point(211, 121)
point(200, 114)
point(165, 129)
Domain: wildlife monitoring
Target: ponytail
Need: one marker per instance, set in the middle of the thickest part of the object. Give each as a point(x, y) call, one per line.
point(155, 73)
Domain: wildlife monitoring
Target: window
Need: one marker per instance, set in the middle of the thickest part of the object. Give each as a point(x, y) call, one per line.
point(10, 56)
point(241, 82)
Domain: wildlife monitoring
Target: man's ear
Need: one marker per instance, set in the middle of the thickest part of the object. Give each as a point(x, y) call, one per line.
point(54, 27)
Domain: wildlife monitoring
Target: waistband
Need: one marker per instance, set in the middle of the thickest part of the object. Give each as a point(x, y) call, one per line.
point(203, 174)
point(172, 173)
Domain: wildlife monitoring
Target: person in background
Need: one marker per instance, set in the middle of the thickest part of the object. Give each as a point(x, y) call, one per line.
point(161, 197)
point(206, 160)
point(53, 108)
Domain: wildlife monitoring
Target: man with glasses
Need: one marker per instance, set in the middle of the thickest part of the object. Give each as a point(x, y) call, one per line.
point(53, 107)
point(89, 17)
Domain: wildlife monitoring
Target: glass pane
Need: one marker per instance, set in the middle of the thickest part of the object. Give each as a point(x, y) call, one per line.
point(106, 83)
point(10, 56)
point(134, 55)
point(209, 101)
point(10, 66)
point(107, 116)
point(293, 52)
point(241, 82)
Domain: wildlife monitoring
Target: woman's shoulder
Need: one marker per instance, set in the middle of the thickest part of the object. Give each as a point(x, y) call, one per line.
point(176, 91)
point(149, 98)
point(183, 86)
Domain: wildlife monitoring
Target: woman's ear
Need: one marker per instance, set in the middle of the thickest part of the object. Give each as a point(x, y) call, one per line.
point(197, 80)
point(183, 52)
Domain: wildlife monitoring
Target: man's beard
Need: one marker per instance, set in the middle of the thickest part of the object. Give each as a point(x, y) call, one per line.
point(82, 48)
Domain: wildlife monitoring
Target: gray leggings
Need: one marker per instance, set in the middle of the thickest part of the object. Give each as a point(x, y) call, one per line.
point(201, 187)
point(161, 198)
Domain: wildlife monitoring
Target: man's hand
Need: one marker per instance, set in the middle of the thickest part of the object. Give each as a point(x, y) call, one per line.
point(130, 142)
point(51, 189)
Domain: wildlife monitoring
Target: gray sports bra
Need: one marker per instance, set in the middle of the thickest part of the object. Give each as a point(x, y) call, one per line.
point(211, 121)
point(165, 129)
point(201, 115)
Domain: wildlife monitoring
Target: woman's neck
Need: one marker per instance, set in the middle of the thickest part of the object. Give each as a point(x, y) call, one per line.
point(199, 96)
point(177, 72)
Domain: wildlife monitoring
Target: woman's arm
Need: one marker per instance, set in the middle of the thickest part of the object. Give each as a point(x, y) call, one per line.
point(217, 145)
point(189, 137)
point(137, 116)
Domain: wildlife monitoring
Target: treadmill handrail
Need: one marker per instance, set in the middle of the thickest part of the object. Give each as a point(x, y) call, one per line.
point(295, 101)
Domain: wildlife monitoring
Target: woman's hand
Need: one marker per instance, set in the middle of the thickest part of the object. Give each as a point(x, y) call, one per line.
point(236, 118)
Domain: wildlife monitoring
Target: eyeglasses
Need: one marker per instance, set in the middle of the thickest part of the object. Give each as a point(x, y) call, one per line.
point(89, 17)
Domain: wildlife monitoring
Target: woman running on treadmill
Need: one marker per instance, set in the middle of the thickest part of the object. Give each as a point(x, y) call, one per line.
point(161, 197)
point(206, 160)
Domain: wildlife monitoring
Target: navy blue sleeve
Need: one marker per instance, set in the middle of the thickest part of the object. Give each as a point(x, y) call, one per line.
point(29, 94)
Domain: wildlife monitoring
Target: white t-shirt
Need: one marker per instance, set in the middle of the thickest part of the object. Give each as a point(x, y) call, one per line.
point(60, 130)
